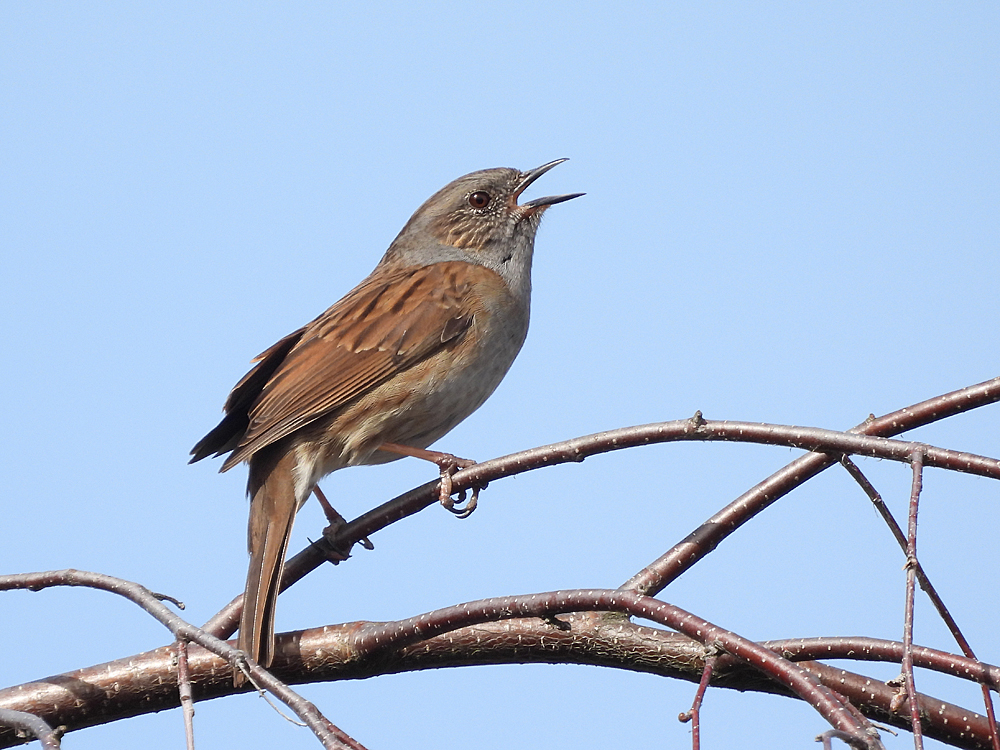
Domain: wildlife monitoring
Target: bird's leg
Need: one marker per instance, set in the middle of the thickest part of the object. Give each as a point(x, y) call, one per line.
point(336, 521)
point(329, 511)
point(448, 464)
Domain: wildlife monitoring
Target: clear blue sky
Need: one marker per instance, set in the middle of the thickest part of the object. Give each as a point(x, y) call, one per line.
point(791, 216)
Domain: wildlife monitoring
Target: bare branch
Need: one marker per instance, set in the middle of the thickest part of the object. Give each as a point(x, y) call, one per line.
point(682, 556)
point(184, 692)
point(327, 733)
point(694, 714)
point(926, 586)
point(333, 653)
point(917, 462)
point(145, 683)
point(658, 574)
point(30, 725)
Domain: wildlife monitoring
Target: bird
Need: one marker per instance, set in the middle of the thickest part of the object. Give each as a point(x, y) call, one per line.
point(399, 361)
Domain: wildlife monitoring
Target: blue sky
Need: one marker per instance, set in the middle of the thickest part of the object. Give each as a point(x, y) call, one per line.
point(791, 216)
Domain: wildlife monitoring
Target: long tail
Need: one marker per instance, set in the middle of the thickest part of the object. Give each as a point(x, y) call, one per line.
point(272, 511)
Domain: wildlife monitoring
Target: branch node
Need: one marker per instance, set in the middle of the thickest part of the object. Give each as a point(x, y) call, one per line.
point(167, 598)
point(556, 623)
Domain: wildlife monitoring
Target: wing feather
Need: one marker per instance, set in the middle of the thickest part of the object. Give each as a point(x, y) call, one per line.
point(386, 325)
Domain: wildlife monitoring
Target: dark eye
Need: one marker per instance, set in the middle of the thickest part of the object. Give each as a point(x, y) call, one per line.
point(479, 199)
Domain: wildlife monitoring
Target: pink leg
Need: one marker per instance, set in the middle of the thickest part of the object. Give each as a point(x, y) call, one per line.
point(336, 520)
point(448, 464)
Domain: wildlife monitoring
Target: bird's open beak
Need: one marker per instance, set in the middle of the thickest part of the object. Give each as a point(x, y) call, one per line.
point(534, 174)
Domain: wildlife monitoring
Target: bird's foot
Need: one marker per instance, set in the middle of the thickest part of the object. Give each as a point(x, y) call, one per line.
point(335, 552)
point(448, 464)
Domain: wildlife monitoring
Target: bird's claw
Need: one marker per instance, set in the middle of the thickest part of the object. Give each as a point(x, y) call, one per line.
point(452, 507)
point(336, 554)
point(449, 465)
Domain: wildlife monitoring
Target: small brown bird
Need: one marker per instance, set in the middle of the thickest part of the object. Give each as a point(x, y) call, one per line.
point(409, 353)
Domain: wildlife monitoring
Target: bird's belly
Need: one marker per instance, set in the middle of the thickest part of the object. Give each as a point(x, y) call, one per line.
point(415, 408)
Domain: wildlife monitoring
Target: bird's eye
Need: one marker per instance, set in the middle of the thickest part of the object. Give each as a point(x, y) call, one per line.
point(479, 199)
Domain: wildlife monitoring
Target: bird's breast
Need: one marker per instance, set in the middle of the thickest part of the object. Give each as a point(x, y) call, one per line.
point(420, 405)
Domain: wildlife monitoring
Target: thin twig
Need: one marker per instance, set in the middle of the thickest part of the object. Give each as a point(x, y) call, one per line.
point(29, 724)
point(694, 715)
point(683, 555)
point(925, 584)
point(861, 648)
point(184, 691)
point(327, 733)
point(833, 734)
point(917, 462)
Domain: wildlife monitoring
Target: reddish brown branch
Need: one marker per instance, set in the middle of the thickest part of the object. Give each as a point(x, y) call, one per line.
point(694, 714)
point(326, 732)
point(391, 636)
point(313, 655)
point(145, 683)
point(861, 648)
point(654, 577)
point(927, 587)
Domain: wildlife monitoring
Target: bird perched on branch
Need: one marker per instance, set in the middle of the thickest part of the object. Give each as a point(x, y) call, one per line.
point(392, 367)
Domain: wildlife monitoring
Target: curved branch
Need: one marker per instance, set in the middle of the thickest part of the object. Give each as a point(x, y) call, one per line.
point(376, 638)
point(325, 731)
point(28, 725)
point(330, 653)
point(657, 575)
point(862, 648)
point(71, 692)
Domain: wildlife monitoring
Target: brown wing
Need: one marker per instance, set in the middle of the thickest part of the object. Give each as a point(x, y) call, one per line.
point(384, 326)
point(228, 433)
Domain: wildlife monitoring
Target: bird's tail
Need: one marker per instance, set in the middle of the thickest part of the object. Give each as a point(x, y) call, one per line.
point(272, 511)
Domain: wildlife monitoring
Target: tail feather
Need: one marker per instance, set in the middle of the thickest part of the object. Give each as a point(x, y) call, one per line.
point(272, 511)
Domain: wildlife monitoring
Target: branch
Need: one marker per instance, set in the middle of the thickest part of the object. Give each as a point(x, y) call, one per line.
point(657, 575)
point(28, 725)
point(682, 556)
point(317, 659)
point(328, 734)
point(926, 586)
point(334, 653)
